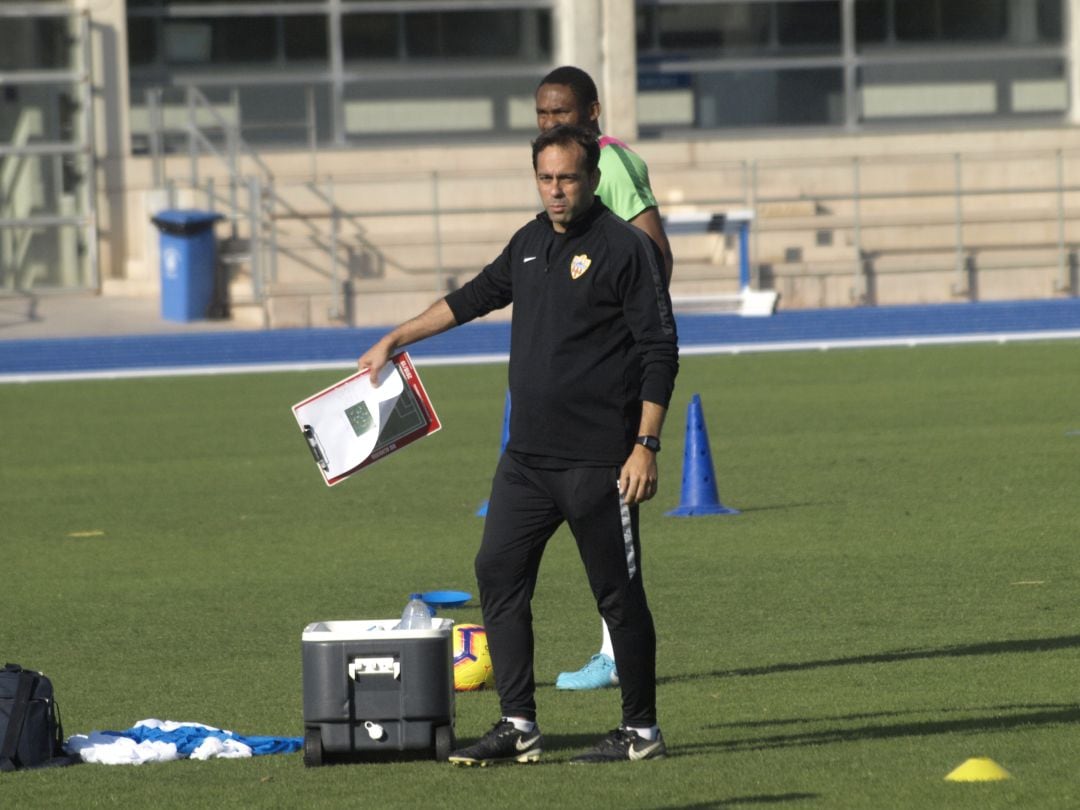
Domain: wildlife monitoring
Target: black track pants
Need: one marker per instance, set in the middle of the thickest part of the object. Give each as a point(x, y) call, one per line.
point(526, 506)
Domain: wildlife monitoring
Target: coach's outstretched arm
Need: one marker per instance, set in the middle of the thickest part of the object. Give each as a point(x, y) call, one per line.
point(433, 320)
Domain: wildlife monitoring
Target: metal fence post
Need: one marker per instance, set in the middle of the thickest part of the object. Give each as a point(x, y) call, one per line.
point(88, 135)
point(755, 228)
point(193, 149)
point(1063, 282)
point(254, 241)
point(232, 136)
point(335, 233)
point(440, 285)
point(861, 287)
point(962, 269)
point(269, 199)
point(157, 131)
point(312, 128)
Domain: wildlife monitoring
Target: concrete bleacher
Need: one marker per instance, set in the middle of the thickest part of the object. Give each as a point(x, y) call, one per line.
point(866, 220)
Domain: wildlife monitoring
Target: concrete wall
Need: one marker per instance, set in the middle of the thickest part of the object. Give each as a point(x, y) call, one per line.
point(805, 240)
point(810, 234)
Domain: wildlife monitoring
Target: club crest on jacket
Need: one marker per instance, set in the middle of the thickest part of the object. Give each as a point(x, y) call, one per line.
point(578, 266)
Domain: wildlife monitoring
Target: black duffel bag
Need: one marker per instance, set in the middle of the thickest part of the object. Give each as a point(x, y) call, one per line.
point(31, 735)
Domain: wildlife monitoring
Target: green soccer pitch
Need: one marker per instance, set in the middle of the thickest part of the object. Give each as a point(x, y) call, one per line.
point(899, 593)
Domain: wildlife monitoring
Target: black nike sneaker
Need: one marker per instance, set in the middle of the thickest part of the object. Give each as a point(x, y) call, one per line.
point(503, 743)
point(622, 745)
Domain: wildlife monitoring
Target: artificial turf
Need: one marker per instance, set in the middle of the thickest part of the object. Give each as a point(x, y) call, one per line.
point(898, 593)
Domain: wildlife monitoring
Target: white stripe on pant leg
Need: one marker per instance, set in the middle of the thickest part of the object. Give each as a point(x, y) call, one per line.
point(628, 538)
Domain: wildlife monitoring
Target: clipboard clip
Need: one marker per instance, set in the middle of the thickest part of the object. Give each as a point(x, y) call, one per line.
point(316, 448)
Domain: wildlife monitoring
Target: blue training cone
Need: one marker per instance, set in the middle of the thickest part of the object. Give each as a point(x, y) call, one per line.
point(482, 511)
point(699, 495)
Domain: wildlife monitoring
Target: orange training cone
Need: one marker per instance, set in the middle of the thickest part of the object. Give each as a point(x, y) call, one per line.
point(699, 495)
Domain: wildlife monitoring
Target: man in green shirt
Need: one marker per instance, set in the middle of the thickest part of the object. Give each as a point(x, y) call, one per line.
point(567, 95)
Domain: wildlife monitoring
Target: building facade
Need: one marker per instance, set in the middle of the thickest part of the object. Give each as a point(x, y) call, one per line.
point(91, 88)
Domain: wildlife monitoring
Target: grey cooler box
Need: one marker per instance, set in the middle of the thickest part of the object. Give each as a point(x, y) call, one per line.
point(370, 688)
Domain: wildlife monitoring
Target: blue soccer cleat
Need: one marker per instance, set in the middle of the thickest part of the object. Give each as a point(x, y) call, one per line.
point(599, 673)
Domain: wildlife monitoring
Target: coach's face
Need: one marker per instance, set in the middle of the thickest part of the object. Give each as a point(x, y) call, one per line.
point(566, 188)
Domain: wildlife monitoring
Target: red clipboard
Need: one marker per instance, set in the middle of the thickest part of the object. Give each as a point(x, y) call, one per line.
point(351, 425)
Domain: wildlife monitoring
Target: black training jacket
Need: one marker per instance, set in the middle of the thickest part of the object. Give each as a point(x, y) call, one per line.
point(592, 334)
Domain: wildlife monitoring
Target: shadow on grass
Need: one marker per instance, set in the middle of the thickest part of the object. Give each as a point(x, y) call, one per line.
point(572, 743)
point(784, 506)
point(739, 801)
point(952, 651)
point(988, 723)
point(802, 721)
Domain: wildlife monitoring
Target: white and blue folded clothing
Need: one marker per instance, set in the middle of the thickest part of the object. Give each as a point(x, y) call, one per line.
point(165, 740)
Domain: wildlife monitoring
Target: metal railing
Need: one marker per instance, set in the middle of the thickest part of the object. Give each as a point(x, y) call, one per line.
point(1001, 211)
point(856, 218)
point(250, 203)
point(22, 222)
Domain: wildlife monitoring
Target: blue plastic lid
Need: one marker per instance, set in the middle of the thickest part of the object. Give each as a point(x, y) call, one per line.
point(446, 599)
point(186, 216)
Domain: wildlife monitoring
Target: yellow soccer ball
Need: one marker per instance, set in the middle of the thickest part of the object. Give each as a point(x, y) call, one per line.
point(472, 661)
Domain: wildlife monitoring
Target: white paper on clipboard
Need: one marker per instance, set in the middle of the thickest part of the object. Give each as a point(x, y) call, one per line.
point(346, 420)
point(351, 424)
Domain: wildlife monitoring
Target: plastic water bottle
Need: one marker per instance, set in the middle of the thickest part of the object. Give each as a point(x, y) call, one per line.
point(416, 615)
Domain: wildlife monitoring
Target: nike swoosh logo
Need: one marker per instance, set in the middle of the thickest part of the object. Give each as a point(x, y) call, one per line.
point(528, 259)
point(641, 753)
point(523, 745)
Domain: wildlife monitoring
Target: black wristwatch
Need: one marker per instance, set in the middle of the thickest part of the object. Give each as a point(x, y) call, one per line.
point(649, 442)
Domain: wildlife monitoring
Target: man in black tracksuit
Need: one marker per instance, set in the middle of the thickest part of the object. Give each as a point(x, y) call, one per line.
point(593, 361)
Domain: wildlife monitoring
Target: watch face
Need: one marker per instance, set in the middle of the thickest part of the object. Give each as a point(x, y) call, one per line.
point(651, 442)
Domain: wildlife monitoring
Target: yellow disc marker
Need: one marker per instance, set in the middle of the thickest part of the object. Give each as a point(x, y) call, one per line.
point(978, 769)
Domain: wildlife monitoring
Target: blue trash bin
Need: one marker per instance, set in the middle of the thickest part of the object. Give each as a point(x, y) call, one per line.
point(188, 262)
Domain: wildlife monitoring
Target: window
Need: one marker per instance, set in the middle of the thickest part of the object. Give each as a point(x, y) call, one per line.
point(954, 20)
point(41, 43)
point(305, 38)
point(714, 27)
point(370, 36)
point(476, 36)
point(159, 4)
point(871, 21)
point(1050, 22)
point(142, 41)
point(808, 24)
point(272, 60)
point(770, 98)
point(698, 62)
point(740, 28)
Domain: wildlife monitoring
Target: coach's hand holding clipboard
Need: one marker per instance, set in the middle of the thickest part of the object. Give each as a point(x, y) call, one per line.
point(354, 423)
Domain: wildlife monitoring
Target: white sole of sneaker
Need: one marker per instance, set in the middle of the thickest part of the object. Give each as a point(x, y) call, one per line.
point(527, 757)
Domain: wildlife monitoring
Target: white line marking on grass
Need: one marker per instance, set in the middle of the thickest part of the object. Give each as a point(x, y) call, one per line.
point(875, 343)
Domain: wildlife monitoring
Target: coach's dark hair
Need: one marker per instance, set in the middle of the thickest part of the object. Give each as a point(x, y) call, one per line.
point(577, 80)
point(564, 135)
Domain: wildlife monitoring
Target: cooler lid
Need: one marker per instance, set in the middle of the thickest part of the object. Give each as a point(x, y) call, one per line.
point(360, 629)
